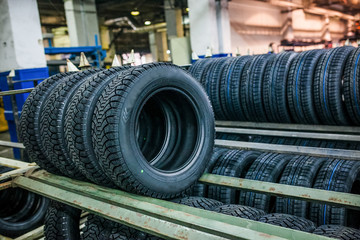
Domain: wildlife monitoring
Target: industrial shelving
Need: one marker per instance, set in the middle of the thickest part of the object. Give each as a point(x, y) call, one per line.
point(173, 221)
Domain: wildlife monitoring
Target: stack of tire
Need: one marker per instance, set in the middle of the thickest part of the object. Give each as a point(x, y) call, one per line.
point(305, 171)
point(147, 129)
point(312, 87)
point(21, 211)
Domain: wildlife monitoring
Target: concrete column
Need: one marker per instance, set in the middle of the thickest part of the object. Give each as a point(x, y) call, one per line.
point(82, 22)
point(153, 47)
point(21, 43)
point(173, 19)
point(161, 46)
point(209, 26)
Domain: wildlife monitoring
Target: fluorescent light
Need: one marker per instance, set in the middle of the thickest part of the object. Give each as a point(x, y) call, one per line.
point(135, 13)
point(147, 23)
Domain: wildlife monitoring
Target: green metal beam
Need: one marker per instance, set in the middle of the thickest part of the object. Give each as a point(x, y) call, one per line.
point(12, 144)
point(293, 134)
point(163, 222)
point(285, 126)
point(12, 92)
point(347, 200)
point(210, 222)
point(277, 148)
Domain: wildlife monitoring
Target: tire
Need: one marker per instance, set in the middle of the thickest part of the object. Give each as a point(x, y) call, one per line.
point(274, 88)
point(98, 228)
point(240, 211)
point(232, 137)
point(338, 232)
point(29, 126)
point(198, 202)
point(52, 124)
point(352, 86)
point(289, 221)
point(268, 168)
point(300, 87)
point(62, 222)
point(174, 168)
point(340, 176)
point(251, 91)
point(232, 164)
point(328, 87)
point(31, 219)
point(300, 171)
point(199, 189)
point(212, 85)
point(78, 126)
point(197, 68)
point(230, 88)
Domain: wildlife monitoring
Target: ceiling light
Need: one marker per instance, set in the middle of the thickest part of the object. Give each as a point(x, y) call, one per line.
point(147, 23)
point(135, 12)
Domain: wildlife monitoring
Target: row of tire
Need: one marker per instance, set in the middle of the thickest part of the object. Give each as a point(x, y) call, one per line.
point(290, 141)
point(305, 171)
point(62, 222)
point(107, 125)
point(312, 87)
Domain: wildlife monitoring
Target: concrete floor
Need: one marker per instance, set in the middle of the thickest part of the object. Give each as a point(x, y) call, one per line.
point(6, 151)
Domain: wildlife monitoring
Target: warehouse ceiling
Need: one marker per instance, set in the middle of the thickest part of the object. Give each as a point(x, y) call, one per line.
point(52, 12)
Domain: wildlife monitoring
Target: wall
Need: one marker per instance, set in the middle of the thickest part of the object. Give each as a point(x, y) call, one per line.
point(20, 35)
point(255, 24)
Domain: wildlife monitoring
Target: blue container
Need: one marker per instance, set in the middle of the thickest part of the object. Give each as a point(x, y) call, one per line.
point(22, 74)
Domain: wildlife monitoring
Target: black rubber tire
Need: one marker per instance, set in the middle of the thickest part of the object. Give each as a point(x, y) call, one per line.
point(98, 228)
point(62, 222)
point(199, 189)
point(261, 139)
point(300, 171)
point(198, 202)
point(251, 92)
point(268, 168)
point(78, 119)
point(230, 88)
point(232, 137)
point(274, 88)
point(212, 85)
point(240, 211)
point(328, 86)
point(197, 68)
point(29, 125)
point(234, 163)
point(29, 221)
point(352, 86)
point(115, 144)
point(340, 176)
point(338, 232)
point(52, 123)
point(204, 70)
point(300, 87)
point(289, 221)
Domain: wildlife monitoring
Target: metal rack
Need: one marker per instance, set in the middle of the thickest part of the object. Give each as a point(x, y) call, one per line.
point(173, 221)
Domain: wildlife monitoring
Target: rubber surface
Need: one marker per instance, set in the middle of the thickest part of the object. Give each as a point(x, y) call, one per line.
point(340, 176)
point(29, 125)
point(300, 171)
point(78, 119)
point(268, 168)
point(62, 222)
point(240, 211)
point(289, 221)
point(116, 145)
